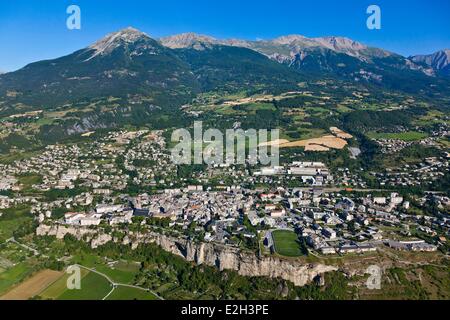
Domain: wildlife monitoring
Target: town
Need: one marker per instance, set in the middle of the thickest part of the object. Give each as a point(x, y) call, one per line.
point(127, 176)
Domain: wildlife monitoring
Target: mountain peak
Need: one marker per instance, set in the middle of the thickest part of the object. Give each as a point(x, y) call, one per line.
point(116, 39)
point(445, 52)
point(337, 44)
point(129, 34)
point(289, 39)
point(131, 29)
point(438, 60)
point(188, 40)
point(340, 43)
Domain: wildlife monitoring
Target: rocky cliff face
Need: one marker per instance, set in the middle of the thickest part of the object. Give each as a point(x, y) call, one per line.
point(222, 257)
point(85, 234)
point(245, 263)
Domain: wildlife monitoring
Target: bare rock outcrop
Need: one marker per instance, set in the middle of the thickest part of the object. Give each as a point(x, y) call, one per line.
point(223, 257)
point(244, 262)
point(100, 240)
point(60, 231)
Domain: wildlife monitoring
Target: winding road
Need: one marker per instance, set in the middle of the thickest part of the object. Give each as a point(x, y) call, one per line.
point(116, 284)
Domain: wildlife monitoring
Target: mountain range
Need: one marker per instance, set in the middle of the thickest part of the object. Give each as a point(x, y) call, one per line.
point(438, 61)
point(295, 50)
point(172, 70)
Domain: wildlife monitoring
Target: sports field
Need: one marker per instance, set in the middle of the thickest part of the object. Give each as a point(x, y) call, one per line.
point(286, 243)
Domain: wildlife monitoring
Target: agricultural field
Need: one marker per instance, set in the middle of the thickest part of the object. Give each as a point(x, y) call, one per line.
point(405, 136)
point(445, 142)
point(430, 118)
point(128, 293)
point(32, 286)
point(13, 156)
point(27, 181)
point(324, 143)
point(121, 271)
point(426, 282)
point(320, 142)
point(410, 155)
point(97, 286)
point(14, 275)
point(21, 276)
point(305, 131)
point(54, 291)
point(93, 287)
point(286, 243)
point(118, 271)
point(17, 264)
point(22, 270)
point(12, 219)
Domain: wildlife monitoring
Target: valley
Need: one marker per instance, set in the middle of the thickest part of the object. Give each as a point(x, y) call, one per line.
point(86, 175)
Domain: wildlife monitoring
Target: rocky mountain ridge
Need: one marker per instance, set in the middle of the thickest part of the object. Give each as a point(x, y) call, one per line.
point(325, 53)
point(171, 71)
point(438, 61)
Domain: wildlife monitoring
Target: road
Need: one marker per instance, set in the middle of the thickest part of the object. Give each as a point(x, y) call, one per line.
point(338, 189)
point(113, 283)
point(23, 246)
point(269, 238)
point(116, 284)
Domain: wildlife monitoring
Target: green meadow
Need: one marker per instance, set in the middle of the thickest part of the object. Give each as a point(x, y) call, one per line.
point(405, 136)
point(128, 293)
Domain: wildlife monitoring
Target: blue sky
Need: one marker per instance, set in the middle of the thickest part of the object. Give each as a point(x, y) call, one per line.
point(32, 30)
